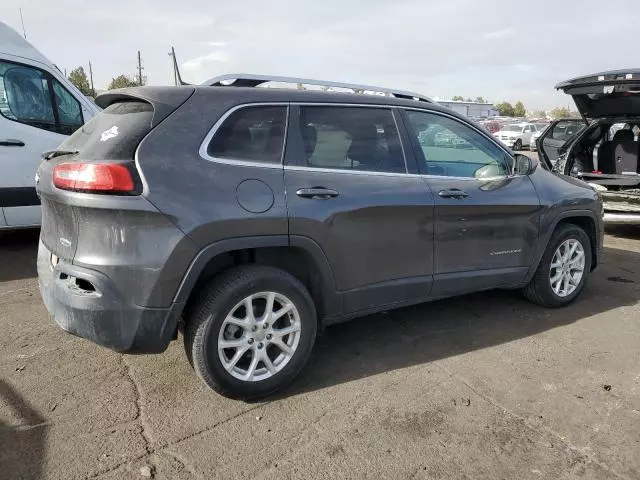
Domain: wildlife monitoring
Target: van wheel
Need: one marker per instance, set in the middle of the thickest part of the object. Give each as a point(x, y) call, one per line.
point(251, 331)
point(518, 145)
point(563, 270)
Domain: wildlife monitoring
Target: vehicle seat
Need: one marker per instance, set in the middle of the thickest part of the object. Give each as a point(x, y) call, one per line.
point(309, 140)
point(625, 152)
point(363, 148)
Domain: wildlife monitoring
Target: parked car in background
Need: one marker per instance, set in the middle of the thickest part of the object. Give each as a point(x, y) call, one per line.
point(287, 211)
point(516, 135)
point(603, 149)
point(39, 108)
point(541, 127)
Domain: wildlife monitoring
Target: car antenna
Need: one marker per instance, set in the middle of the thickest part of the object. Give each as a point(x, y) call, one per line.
point(177, 79)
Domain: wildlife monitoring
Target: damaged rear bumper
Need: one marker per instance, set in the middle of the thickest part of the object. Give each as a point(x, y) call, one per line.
point(87, 303)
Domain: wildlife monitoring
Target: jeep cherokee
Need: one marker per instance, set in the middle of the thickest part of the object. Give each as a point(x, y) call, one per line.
point(249, 218)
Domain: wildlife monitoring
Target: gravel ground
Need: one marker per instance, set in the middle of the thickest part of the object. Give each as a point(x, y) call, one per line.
point(482, 386)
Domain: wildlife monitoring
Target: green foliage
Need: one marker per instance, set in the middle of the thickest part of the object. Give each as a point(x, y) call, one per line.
point(505, 109)
point(540, 114)
point(480, 100)
point(122, 81)
point(457, 98)
point(519, 110)
point(78, 77)
point(560, 112)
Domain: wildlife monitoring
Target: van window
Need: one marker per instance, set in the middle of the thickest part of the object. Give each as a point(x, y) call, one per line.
point(351, 138)
point(25, 97)
point(254, 134)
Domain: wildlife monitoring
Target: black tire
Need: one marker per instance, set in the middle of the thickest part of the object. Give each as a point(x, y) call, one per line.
point(539, 289)
point(518, 145)
point(216, 302)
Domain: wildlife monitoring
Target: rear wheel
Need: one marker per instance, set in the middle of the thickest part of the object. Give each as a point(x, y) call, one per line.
point(518, 145)
point(563, 270)
point(251, 331)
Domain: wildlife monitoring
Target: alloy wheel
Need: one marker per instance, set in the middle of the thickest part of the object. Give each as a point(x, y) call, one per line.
point(567, 267)
point(259, 336)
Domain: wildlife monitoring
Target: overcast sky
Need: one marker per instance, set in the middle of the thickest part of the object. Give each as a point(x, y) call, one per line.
point(498, 49)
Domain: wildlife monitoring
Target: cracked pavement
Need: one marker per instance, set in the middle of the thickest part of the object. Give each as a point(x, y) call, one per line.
point(482, 386)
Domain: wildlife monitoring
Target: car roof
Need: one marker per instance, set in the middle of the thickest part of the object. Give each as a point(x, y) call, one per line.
point(174, 96)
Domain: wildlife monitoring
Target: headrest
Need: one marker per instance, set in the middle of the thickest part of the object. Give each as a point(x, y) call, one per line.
point(623, 136)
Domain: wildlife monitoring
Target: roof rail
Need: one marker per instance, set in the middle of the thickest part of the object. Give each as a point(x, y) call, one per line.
point(252, 80)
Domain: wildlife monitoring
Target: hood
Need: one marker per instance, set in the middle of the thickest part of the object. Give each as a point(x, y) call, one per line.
point(506, 133)
point(606, 94)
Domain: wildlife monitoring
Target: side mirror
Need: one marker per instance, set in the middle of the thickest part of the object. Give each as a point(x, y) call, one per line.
point(523, 165)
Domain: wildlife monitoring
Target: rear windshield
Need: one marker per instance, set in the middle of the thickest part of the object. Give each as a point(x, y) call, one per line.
point(114, 134)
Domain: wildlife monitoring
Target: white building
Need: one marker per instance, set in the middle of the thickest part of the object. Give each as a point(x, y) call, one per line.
point(470, 109)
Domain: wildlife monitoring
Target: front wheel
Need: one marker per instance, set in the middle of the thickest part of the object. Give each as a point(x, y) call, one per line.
point(563, 270)
point(518, 145)
point(251, 332)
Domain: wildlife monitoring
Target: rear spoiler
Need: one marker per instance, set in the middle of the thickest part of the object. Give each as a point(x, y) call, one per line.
point(165, 100)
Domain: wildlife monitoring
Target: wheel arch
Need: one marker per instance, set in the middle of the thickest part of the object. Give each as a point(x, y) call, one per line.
point(300, 256)
point(585, 219)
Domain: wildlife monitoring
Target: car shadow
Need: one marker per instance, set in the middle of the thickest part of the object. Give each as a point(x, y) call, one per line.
point(623, 231)
point(22, 442)
point(18, 254)
point(424, 333)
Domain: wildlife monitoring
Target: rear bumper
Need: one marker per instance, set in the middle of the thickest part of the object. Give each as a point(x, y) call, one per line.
point(88, 304)
point(611, 218)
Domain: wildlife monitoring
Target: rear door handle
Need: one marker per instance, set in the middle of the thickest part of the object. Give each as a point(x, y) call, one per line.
point(11, 142)
point(453, 193)
point(317, 193)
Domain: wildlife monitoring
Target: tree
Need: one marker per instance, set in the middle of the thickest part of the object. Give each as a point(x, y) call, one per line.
point(540, 114)
point(122, 81)
point(468, 99)
point(505, 109)
point(519, 110)
point(457, 98)
point(480, 100)
point(78, 77)
point(561, 112)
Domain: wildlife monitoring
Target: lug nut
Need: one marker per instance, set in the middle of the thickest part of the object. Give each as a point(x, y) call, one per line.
point(260, 345)
point(266, 325)
point(254, 328)
point(269, 336)
point(250, 341)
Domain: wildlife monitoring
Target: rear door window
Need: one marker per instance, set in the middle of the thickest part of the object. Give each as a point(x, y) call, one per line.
point(351, 138)
point(254, 134)
point(33, 97)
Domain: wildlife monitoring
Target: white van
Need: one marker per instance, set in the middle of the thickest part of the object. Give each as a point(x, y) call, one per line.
point(39, 107)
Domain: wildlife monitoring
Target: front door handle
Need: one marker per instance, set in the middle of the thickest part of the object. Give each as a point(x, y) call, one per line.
point(317, 193)
point(453, 193)
point(11, 142)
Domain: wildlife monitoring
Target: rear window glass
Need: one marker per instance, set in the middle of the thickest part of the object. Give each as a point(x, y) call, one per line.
point(253, 134)
point(114, 133)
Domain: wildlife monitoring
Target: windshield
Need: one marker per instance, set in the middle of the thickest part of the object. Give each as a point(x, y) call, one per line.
point(511, 128)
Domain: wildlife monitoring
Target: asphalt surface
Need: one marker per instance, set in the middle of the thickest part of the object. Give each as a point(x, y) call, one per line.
point(482, 386)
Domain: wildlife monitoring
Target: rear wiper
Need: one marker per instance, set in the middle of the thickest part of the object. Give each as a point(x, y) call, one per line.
point(49, 154)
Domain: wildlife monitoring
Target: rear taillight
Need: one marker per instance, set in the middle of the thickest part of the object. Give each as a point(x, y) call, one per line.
point(93, 177)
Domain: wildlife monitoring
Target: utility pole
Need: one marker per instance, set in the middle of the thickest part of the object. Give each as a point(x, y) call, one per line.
point(24, 32)
point(139, 70)
point(93, 92)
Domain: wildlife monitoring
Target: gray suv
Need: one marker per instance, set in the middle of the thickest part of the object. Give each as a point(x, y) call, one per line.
point(249, 218)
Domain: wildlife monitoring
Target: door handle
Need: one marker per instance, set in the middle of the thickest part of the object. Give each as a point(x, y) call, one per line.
point(317, 193)
point(453, 193)
point(11, 142)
